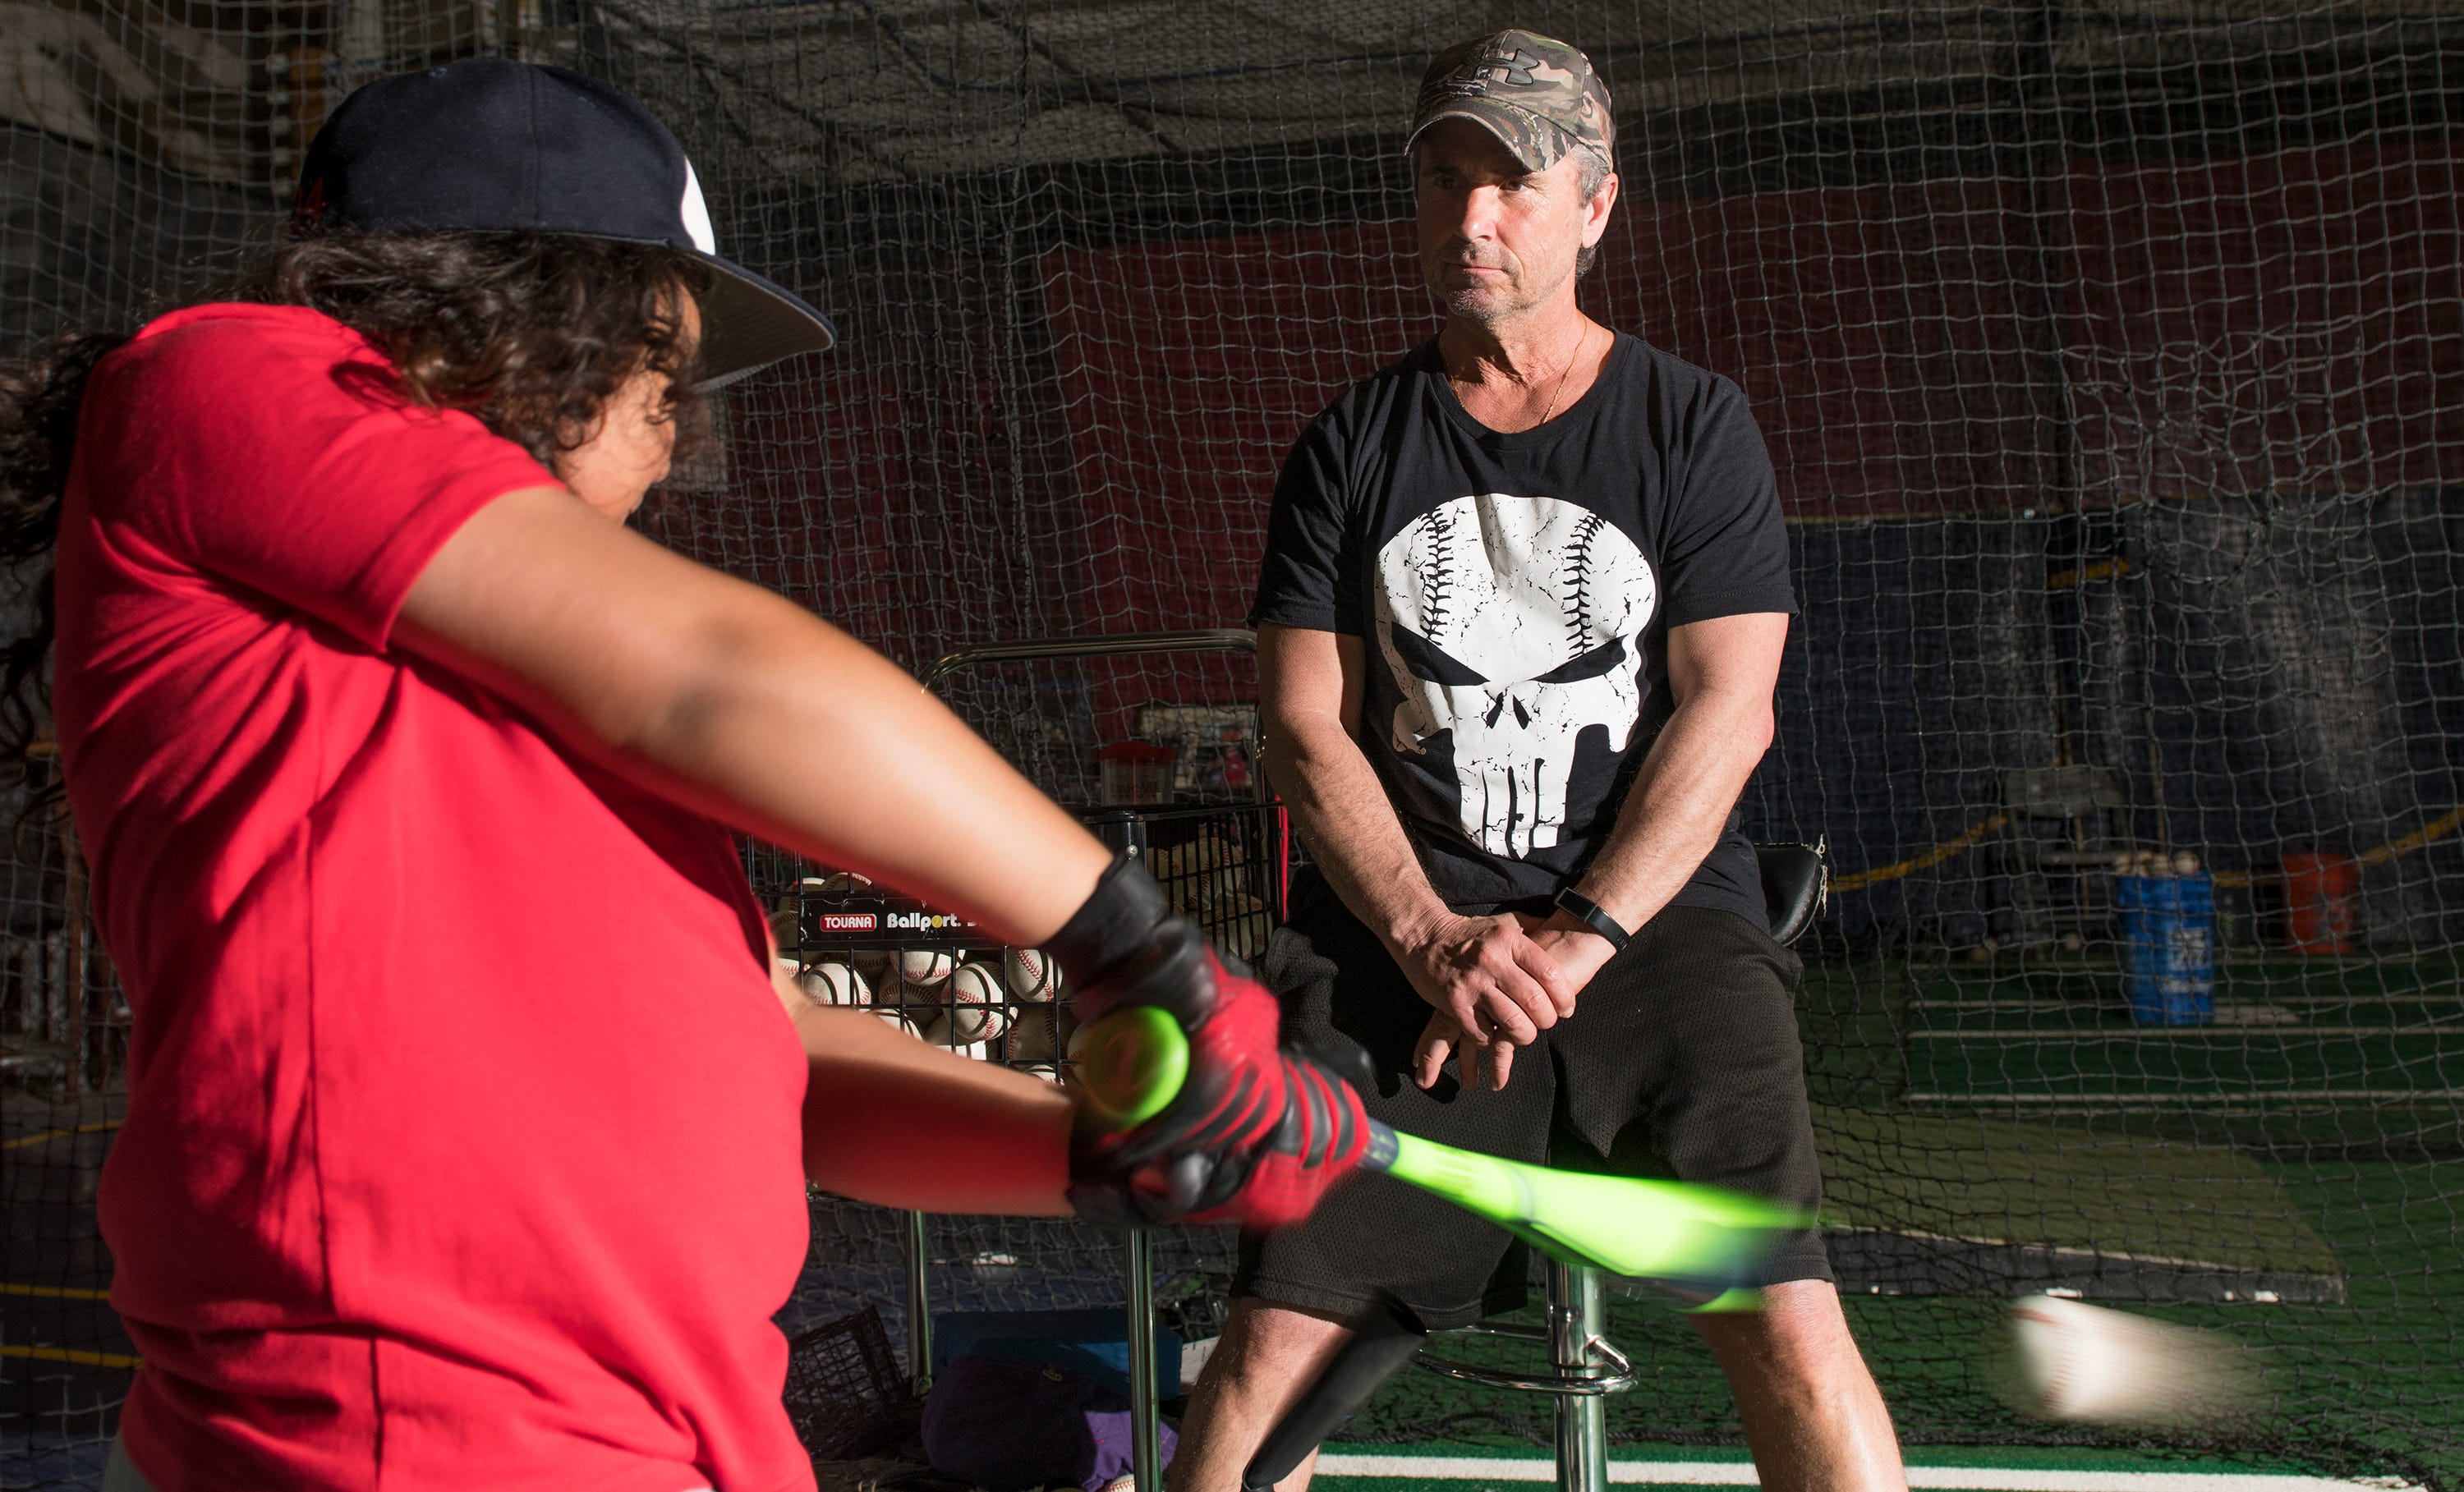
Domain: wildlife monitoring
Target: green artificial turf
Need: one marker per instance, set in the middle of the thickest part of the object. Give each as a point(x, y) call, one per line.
point(1922, 1078)
point(2351, 1055)
point(2000, 1180)
point(1991, 1458)
point(2374, 1386)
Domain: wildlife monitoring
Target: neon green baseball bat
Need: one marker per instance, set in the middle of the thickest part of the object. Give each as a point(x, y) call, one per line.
point(1136, 1059)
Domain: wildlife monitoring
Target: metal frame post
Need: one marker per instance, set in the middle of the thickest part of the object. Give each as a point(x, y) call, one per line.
point(1146, 1442)
point(1122, 830)
point(1575, 1324)
point(919, 1307)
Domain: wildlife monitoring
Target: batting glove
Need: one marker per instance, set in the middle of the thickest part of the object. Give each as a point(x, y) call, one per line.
point(1256, 1133)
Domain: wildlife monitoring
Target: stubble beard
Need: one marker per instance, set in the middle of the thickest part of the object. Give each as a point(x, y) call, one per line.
point(1480, 305)
point(1487, 305)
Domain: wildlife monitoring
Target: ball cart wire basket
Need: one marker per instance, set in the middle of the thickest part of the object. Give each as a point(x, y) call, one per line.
point(1204, 826)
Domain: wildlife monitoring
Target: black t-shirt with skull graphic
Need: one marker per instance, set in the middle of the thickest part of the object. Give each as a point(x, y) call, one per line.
point(1513, 594)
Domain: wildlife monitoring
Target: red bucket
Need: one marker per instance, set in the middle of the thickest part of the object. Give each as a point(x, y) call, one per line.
point(2318, 894)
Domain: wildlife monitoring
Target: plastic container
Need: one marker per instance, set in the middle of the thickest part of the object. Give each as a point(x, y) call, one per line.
point(2318, 896)
point(2168, 946)
point(1133, 772)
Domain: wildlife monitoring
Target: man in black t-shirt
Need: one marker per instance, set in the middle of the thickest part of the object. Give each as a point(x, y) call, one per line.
point(1519, 623)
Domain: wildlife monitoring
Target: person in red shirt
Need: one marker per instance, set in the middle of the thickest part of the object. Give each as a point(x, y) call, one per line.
point(468, 1127)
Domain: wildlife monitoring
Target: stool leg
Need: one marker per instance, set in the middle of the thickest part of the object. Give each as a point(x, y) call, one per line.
point(919, 1304)
point(1574, 1319)
point(1146, 1441)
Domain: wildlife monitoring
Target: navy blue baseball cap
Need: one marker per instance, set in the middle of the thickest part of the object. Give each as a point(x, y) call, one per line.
point(492, 145)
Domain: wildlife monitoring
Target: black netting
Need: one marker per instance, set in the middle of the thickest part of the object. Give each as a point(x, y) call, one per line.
point(2113, 363)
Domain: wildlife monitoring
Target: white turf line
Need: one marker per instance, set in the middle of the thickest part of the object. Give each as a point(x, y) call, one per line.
point(1741, 1474)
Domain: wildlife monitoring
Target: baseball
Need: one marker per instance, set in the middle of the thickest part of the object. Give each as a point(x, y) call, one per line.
point(1192, 870)
point(2066, 1361)
point(1073, 1050)
point(979, 1010)
point(896, 1019)
point(2185, 862)
point(1034, 1038)
point(1241, 926)
point(928, 966)
point(838, 883)
point(833, 983)
point(936, 1031)
point(1031, 974)
point(783, 928)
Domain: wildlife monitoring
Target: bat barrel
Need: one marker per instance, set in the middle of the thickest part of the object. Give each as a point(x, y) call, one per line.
point(1134, 1065)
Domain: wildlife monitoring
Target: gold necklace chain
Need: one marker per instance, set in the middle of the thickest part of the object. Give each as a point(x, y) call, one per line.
point(1559, 391)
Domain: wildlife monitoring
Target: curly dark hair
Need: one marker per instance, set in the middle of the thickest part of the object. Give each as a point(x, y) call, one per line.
point(529, 333)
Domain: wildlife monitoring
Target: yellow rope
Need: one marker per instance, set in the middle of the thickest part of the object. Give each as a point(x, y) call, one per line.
point(70, 1354)
point(55, 1292)
point(2103, 570)
point(48, 1135)
point(2437, 830)
point(1858, 880)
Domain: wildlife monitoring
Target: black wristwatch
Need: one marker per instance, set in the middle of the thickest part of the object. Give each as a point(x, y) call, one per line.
point(1587, 912)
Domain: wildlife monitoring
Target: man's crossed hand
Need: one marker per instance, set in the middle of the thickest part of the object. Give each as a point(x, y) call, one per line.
point(1497, 983)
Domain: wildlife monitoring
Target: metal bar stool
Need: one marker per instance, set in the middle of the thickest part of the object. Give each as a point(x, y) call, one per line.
point(1584, 1367)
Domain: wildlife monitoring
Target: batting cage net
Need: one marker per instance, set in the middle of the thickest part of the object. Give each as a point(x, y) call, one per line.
point(2112, 359)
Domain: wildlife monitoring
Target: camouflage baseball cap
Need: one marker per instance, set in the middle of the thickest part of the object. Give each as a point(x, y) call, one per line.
point(1539, 96)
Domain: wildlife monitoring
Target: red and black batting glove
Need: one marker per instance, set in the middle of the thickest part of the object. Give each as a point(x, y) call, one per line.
point(1256, 1135)
point(1126, 946)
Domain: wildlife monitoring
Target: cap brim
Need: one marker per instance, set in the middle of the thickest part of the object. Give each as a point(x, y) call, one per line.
point(748, 323)
point(1486, 117)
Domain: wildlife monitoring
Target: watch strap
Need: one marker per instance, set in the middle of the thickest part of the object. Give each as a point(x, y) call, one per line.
point(1588, 913)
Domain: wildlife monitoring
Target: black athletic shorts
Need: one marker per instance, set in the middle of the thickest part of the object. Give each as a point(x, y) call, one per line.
point(1681, 1061)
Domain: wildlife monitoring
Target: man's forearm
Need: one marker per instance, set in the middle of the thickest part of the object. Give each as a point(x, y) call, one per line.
point(1679, 804)
point(1341, 809)
point(1481, 973)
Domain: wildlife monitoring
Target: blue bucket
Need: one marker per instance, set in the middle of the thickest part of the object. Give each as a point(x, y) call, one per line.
point(2168, 946)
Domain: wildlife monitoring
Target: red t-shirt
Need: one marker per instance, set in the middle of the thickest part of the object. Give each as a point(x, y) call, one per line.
point(462, 1145)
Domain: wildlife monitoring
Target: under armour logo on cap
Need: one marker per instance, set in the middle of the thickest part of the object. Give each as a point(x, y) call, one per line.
point(1539, 96)
point(1507, 69)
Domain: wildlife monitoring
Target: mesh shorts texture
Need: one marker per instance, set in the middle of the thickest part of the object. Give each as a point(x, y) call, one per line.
point(1682, 1061)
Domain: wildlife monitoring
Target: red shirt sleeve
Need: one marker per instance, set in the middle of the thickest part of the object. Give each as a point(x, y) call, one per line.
point(271, 448)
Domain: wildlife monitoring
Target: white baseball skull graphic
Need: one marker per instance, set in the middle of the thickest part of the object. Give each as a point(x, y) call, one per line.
point(1513, 622)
